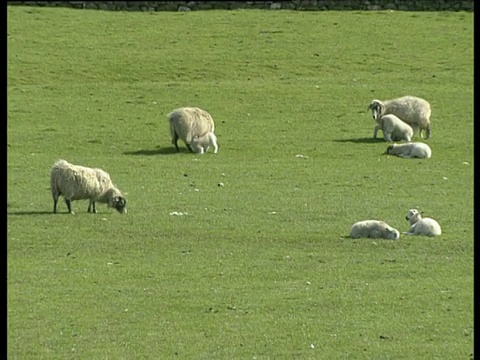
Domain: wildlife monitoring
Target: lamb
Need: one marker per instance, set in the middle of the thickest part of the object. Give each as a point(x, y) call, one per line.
point(188, 122)
point(374, 229)
point(76, 182)
point(421, 226)
point(393, 128)
point(410, 150)
point(202, 144)
point(413, 110)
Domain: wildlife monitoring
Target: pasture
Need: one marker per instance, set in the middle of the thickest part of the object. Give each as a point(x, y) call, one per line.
point(259, 268)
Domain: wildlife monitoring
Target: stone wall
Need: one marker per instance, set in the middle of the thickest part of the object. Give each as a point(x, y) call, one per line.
point(403, 5)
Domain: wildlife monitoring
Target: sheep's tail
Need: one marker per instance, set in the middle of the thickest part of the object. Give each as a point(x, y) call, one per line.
point(54, 181)
point(428, 132)
point(54, 187)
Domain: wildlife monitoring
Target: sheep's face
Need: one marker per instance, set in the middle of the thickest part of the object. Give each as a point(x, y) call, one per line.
point(377, 108)
point(390, 149)
point(120, 204)
point(393, 234)
point(413, 216)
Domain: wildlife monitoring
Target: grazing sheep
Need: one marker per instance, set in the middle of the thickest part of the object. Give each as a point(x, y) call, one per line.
point(202, 144)
point(188, 122)
point(410, 109)
point(76, 182)
point(393, 128)
point(374, 229)
point(421, 226)
point(410, 150)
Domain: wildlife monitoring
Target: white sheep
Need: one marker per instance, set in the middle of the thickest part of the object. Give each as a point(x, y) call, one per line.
point(393, 128)
point(76, 182)
point(421, 226)
point(374, 229)
point(413, 110)
point(188, 122)
point(410, 150)
point(202, 144)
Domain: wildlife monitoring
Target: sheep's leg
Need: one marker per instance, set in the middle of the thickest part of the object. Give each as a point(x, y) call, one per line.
point(175, 140)
point(189, 148)
point(387, 136)
point(69, 206)
point(417, 130)
point(375, 132)
point(55, 194)
point(91, 206)
point(55, 201)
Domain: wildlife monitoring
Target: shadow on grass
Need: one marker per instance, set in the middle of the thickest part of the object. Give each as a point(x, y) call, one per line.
point(369, 140)
point(30, 212)
point(161, 151)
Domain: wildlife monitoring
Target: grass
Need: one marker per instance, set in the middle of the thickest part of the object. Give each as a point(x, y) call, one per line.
point(259, 268)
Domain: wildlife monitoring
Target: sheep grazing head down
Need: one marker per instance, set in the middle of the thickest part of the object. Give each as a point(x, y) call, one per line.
point(119, 203)
point(413, 216)
point(378, 109)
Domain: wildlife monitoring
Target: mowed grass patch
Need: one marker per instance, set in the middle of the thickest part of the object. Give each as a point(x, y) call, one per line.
point(258, 265)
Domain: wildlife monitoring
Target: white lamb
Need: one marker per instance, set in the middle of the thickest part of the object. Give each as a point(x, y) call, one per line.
point(202, 144)
point(76, 182)
point(393, 128)
point(410, 150)
point(421, 226)
point(374, 229)
point(413, 110)
point(188, 122)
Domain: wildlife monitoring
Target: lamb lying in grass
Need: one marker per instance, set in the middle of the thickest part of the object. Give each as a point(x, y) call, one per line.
point(410, 150)
point(373, 229)
point(421, 226)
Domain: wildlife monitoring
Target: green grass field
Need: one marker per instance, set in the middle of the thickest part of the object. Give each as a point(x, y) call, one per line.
point(259, 268)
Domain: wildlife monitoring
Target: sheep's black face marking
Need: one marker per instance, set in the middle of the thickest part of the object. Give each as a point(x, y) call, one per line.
point(119, 203)
point(376, 110)
point(389, 149)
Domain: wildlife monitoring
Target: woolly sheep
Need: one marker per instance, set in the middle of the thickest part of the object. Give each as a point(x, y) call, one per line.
point(413, 110)
point(188, 122)
point(202, 144)
point(421, 226)
point(374, 229)
point(410, 150)
point(393, 128)
point(76, 182)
